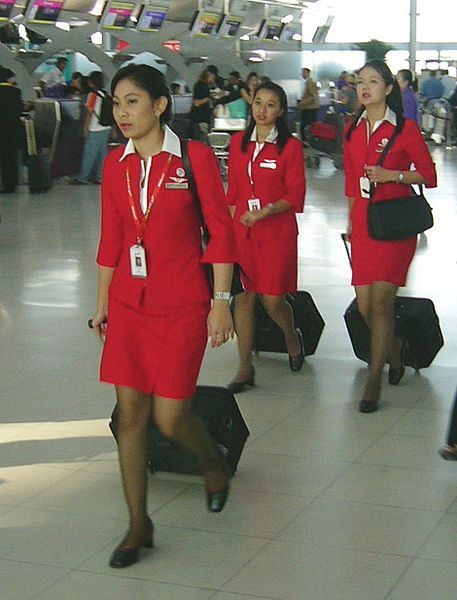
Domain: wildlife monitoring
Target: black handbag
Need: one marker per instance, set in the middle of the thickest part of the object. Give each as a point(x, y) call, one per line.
point(399, 218)
point(237, 285)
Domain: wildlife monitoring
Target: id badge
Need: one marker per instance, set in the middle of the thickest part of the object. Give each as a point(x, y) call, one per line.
point(138, 261)
point(364, 187)
point(254, 204)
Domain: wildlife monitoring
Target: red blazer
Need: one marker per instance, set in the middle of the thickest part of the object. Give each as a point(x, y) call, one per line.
point(176, 274)
point(285, 182)
point(409, 147)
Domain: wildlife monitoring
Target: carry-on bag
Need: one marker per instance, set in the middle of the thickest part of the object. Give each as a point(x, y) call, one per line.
point(217, 408)
point(415, 320)
point(324, 131)
point(38, 165)
point(268, 337)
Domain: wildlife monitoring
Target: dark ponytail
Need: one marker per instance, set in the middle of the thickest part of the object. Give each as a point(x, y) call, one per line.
point(281, 122)
point(393, 100)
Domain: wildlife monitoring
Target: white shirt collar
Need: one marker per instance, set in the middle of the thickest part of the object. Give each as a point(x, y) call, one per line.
point(271, 137)
point(171, 144)
point(389, 116)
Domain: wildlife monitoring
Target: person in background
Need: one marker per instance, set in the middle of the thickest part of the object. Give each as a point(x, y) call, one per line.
point(309, 104)
point(449, 451)
point(202, 107)
point(341, 81)
point(154, 301)
point(55, 77)
point(432, 88)
point(410, 102)
point(379, 268)
point(233, 96)
point(10, 129)
point(448, 83)
point(219, 82)
point(266, 188)
point(348, 103)
point(249, 89)
point(176, 89)
point(96, 135)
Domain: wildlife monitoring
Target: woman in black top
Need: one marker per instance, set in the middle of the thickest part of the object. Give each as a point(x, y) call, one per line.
point(201, 110)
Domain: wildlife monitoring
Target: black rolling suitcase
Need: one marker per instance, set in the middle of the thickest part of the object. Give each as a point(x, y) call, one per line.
point(268, 337)
point(217, 408)
point(416, 321)
point(38, 165)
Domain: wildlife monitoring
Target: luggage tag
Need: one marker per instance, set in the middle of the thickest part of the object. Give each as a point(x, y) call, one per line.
point(138, 261)
point(254, 204)
point(364, 187)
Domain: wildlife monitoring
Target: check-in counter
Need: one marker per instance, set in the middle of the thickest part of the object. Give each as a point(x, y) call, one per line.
point(70, 141)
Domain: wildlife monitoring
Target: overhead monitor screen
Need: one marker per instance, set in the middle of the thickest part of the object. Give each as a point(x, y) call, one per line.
point(271, 30)
point(6, 6)
point(230, 26)
point(206, 23)
point(43, 12)
point(151, 18)
point(117, 15)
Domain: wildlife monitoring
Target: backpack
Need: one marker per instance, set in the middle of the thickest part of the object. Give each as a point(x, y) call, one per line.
point(105, 118)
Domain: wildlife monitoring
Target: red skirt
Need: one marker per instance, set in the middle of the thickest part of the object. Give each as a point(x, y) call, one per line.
point(157, 354)
point(271, 268)
point(374, 260)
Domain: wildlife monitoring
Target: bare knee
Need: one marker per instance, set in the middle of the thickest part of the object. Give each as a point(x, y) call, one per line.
point(273, 305)
point(382, 308)
point(170, 422)
point(134, 412)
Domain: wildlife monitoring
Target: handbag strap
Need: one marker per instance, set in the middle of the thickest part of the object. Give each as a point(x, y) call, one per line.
point(193, 187)
point(380, 162)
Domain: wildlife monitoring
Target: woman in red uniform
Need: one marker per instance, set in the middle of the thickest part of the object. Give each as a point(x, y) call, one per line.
point(153, 306)
point(380, 267)
point(266, 187)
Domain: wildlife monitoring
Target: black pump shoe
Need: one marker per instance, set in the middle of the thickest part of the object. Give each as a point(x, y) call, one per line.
point(236, 387)
point(124, 556)
point(296, 362)
point(365, 406)
point(395, 375)
point(215, 501)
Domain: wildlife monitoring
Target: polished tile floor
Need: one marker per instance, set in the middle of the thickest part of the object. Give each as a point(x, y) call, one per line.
point(327, 502)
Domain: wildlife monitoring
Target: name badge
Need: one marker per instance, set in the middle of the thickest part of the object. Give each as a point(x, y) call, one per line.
point(176, 186)
point(138, 261)
point(268, 165)
point(254, 204)
point(364, 187)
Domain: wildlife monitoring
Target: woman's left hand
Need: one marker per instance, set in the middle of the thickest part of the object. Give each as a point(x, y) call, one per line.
point(250, 217)
point(220, 323)
point(377, 174)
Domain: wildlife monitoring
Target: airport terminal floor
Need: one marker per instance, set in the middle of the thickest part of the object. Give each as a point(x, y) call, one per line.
point(327, 502)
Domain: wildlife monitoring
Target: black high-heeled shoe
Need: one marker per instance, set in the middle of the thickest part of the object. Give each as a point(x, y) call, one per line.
point(395, 375)
point(236, 387)
point(215, 501)
point(296, 362)
point(124, 556)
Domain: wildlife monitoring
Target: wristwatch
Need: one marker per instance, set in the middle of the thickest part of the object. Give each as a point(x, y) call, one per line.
point(222, 296)
point(401, 177)
point(270, 207)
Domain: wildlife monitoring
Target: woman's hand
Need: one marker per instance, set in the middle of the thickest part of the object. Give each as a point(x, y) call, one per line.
point(377, 174)
point(99, 322)
point(250, 217)
point(220, 323)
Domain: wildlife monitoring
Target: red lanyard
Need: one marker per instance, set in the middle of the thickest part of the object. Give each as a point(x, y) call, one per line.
point(141, 221)
point(250, 165)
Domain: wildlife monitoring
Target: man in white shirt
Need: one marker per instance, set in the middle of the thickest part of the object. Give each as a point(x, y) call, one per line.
point(54, 77)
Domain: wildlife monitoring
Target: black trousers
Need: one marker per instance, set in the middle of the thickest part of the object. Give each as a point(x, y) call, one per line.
point(8, 163)
point(307, 117)
point(452, 434)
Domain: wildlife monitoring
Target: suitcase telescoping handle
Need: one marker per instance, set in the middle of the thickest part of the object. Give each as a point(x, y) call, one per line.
point(344, 237)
